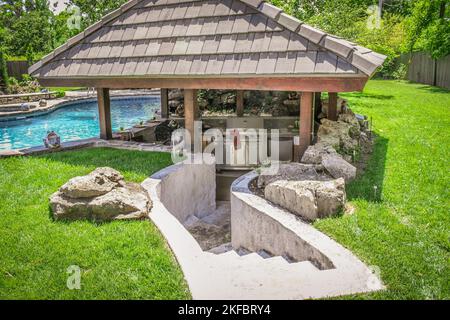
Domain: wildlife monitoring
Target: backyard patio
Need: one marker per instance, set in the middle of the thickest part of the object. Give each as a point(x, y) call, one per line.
point(400, 227)
point(230, 150)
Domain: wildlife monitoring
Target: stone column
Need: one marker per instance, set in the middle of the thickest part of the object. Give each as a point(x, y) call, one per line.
point(104, 112)
point(332, 106)
point(240, 103)
point(164, 103)
point(306, 115)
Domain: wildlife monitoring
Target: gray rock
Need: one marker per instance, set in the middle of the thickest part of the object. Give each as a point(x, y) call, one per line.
point(66, 208)
point(97, 183)
point(339, 168)
point(330, 197)
point(339, 135)
point(294, 171)
point(102, 195)
point(176, 94)
point(309, 200)
point(314, 154)
point(293, 197)
point(129, 202)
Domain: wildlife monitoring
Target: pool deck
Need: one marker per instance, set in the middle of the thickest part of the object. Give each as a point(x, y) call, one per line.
point(70, 97)
point(87, 143)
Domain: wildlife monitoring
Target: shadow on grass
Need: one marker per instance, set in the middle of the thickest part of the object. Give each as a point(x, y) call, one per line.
point(139, 163)
point(432, 89)
point(369, 186)
point(364, 95)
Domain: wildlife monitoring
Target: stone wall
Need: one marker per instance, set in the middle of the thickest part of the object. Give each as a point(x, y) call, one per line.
point(23, 98)
point(213, 102)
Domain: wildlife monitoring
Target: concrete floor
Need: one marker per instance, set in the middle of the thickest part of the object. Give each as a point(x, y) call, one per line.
point(214, 230)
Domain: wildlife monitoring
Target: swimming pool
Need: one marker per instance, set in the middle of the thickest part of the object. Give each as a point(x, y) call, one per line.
point(74, 121)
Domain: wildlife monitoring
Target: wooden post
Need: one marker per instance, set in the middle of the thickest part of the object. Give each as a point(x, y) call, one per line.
point(104, 113)
point(332, 106)
point(306, 110)
point(190, 111)
point(240, 103)
point(164, 103)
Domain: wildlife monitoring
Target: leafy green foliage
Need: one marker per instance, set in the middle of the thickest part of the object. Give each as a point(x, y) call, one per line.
point(94, 10)
point(405, 25)
point(4, 80)
point(428, 27)
point(30, 29)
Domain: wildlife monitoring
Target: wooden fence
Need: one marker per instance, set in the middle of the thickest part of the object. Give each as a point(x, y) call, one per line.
point(17, 68)
point(424, 69)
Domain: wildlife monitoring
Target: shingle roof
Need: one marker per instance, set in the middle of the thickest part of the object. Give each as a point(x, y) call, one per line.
point(164, 38)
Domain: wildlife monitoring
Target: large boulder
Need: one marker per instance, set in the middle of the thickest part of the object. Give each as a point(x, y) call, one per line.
point(337, 167)
point(309, 200)
point(102, 195)
point(315, 153)
point(128, 202)
point(293, 171)
point(97, 183)
point(339, 134)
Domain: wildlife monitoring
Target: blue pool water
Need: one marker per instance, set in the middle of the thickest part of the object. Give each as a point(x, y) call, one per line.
point(78, 120)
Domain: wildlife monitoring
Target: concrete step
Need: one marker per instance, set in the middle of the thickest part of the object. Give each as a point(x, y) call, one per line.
point(222, 248)
point(264, 261)
point(252, 258)
point(229, 255)
point(303, 266)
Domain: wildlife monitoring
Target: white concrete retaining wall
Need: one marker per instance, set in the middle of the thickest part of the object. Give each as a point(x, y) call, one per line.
point(188, 189)
point(258, 225)
point(250, 277)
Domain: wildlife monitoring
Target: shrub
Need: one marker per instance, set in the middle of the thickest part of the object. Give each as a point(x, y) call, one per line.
point(401, 72)
point(4, 80)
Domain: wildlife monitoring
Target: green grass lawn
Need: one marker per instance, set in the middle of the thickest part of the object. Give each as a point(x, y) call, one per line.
point(403, 227)
point(118, 260)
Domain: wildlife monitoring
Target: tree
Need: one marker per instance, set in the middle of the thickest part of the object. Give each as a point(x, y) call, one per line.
point(429, 28)
point(4, 81)
point(93, 10)
point(29, 24)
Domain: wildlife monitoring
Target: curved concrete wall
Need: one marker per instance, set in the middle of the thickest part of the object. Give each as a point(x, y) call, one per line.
point(231, 276)
point(258, 225)
point(188, 189)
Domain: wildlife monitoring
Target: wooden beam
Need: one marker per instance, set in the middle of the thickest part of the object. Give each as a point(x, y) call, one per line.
point(306, 115)
point(332, 106)
point(190, 111)
point(164, 103)
point(104, 113)
point(240, 103)
point(303, 84)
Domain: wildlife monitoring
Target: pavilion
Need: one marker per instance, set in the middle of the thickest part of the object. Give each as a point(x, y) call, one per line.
point(208, 44)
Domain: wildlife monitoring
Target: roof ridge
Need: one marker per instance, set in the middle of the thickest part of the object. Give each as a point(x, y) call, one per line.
point(362, 58)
